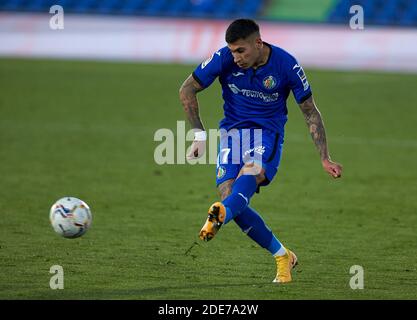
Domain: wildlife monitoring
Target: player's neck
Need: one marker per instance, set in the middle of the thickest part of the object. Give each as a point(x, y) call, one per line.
point(263, 59)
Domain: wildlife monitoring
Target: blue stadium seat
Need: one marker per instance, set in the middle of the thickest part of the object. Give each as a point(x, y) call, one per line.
point(379, 12)
point(132, 7)
point(10, 5)
point(35, 5)
point(178, 8)
point(83, 6)
point(107, 6)
point(191, 8)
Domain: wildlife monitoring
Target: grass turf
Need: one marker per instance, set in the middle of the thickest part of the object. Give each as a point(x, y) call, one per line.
point(86, 129)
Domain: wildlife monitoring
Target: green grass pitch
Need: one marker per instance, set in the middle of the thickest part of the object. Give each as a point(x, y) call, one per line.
point(86, 129)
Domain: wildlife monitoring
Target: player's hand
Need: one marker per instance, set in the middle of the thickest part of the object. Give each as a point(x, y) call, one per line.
point(332, 168)
point(198, 147)
point(197, 150)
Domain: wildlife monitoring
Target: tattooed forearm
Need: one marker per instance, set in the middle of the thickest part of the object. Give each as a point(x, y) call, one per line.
point(316, 126)
point(188, 97)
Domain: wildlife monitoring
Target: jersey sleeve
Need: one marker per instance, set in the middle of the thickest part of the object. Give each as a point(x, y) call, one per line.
point(298, 81)
point(209, 70)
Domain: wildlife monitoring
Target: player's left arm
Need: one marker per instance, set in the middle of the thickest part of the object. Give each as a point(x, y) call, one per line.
point(318, 133)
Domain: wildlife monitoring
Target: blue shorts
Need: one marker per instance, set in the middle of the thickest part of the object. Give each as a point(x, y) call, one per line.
point(240, 146)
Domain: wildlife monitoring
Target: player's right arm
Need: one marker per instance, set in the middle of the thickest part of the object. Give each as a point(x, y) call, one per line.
point(188, 97)
point(202, 77)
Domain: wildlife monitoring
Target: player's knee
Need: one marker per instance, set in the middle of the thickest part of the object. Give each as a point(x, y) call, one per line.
point(255, 170)
point(225, 189)
point(225, 194)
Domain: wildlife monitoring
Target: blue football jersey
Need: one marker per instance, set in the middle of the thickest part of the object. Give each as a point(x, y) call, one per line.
point(255, 98)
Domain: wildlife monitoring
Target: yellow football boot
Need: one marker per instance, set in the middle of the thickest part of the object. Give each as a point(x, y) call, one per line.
point(285, 264)
point(215, 219)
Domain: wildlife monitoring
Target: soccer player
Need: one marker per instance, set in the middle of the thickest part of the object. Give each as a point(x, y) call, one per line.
point(256, 79)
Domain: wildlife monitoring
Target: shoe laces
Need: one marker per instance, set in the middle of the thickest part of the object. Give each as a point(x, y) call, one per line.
point(283, 265)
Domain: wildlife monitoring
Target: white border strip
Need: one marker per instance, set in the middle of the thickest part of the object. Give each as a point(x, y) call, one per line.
point(191, 41)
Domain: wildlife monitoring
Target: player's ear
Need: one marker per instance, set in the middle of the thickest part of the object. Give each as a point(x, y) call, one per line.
point(259, 43)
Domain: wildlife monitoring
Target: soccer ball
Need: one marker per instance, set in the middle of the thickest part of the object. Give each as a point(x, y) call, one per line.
point(70, 217)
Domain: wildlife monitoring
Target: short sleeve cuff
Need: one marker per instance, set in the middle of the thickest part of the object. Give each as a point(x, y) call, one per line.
point(196, 78)
point(308, 95)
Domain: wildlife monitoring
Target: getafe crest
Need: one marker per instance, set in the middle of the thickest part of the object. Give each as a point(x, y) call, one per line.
point(269, 82)
point(221, 171)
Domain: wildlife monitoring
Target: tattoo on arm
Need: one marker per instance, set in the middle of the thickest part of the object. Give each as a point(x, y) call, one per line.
point(316, 127)
point(188, 97)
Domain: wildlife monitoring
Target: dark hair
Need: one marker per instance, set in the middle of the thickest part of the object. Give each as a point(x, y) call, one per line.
point(241, 29)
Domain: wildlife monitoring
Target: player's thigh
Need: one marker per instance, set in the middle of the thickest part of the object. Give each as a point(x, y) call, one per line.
point(272, 159)
point(262, 158)
point(228, 159)
point(225, 176)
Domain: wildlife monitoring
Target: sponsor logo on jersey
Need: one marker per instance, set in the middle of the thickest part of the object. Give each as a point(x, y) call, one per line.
point(207, 61)
point(302, 76)
point(266, 97)
point(258, 149)
point(234, 88)
point(203, 65)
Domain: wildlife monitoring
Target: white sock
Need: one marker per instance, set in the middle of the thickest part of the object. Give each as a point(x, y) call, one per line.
point(280, 252)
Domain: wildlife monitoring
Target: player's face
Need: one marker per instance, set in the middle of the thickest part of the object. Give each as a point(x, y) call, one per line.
point(246, 52)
